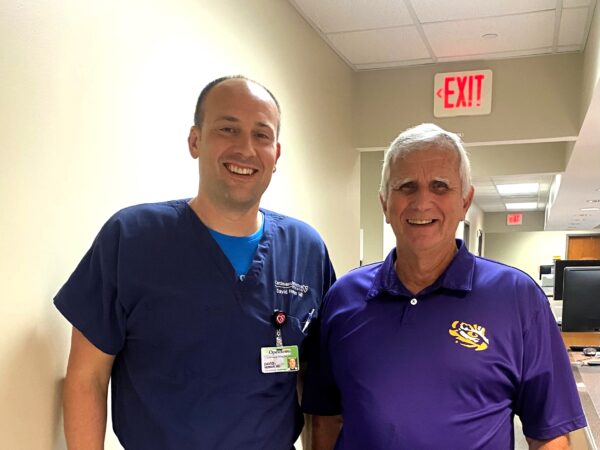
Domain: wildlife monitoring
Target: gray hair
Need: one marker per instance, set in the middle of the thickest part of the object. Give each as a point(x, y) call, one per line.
point(419, 138)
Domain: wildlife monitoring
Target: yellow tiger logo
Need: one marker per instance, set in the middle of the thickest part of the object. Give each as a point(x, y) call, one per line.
point(470, 336)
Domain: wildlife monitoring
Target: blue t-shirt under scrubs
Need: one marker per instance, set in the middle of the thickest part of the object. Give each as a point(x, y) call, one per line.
point(447, 368)
point(157, 291)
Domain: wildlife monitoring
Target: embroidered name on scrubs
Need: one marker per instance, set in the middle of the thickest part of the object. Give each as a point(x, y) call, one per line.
point(470, 336)
point(290, 288)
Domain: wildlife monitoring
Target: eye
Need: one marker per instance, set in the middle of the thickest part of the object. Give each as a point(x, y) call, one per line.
point(227, 130)
point(263, 135)
point(408, 186)
point(439, 186)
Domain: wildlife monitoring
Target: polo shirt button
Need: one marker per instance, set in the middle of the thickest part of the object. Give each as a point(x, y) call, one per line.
point(413, 301)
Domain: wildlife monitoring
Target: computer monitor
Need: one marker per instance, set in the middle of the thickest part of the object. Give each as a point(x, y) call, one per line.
point(581, 299)
point(546, 269)
point(559, 267)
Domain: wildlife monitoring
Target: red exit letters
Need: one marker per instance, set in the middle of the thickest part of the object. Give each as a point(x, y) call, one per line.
point(463, 93)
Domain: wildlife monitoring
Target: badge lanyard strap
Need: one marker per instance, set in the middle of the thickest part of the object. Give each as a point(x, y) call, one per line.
point(279, 319)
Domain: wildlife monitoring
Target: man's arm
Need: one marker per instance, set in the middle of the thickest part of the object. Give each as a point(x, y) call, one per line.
point(558, 443)
point(325, 431)
point(85, 392)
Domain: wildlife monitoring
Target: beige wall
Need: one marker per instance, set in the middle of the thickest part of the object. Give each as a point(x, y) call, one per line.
point(533, 98)
point(477, 223)
point(97, 100)
point(527, 250)
point(371, 215)
point(591, 65)
point(496, 222)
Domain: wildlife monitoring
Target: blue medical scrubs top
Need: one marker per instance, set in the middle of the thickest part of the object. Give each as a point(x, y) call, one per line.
point(447, 368)
point(156, 290)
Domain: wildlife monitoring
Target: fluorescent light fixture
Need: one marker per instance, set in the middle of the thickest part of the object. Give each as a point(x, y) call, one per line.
point(520, 206)
point(518, 189)
point(590, 209)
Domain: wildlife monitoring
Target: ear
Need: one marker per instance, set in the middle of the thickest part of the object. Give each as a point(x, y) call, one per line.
point(194, 142)
point(468, 200)
point(383, 207)
point(277, 155)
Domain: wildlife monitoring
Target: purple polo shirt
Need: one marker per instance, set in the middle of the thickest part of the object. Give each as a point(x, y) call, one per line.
point(446, 368)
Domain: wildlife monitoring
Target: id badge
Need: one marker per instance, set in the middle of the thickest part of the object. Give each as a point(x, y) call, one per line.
point(279, 359)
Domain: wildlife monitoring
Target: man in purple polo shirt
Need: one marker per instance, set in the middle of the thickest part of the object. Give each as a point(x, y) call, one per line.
point(436, 348)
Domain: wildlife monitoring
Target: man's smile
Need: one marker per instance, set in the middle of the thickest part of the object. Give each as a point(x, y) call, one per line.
point(420, 221)
point(239, 170)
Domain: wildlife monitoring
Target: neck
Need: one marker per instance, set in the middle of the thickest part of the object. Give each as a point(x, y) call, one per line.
point(233, 222)
point(417, 271)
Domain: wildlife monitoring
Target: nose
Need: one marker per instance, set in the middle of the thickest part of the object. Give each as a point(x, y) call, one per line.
point(421, 199)
point(245, 145)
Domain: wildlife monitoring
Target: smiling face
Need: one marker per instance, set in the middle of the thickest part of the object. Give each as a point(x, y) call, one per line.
point(236, 144)
point(424, 202)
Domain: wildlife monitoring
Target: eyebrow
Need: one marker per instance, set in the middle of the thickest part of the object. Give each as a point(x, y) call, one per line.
point(401, 181)
point(236, 120)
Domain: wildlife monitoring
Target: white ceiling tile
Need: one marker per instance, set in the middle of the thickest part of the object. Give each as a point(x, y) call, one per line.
point(347, 15)
point(568, 48)
point(391, 44)
point(392, 64)
point(444, 10)
point(572, 26)
point(497, 55)
point(575, 3)
point(526, 31)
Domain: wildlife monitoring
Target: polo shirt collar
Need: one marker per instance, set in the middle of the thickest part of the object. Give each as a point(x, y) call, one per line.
point(458, 276)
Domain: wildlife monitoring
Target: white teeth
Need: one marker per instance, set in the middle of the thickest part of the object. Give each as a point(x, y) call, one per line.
point(240, 170)
point(419, 222)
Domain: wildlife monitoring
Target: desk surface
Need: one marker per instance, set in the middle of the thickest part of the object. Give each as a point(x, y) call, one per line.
point(572, 338)
point(587, 379)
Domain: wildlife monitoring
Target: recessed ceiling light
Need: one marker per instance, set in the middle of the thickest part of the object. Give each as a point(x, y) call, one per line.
point(590, 209)
point(593, 201)
point(518, 189)
point(489, 35)
point(518, 206)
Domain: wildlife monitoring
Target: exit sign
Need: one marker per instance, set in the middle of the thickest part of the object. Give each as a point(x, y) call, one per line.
point(514, 219)
point(462, 93)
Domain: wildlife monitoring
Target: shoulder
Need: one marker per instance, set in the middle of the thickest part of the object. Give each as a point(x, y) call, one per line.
point(498, 273)
point(149, 213)
point(356, 284)
point(145, 218)
point(508, 281)
point(292, 227)
point(363, 276)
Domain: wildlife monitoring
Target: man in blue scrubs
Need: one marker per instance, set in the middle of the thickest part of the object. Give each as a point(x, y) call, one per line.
point(435, 348)
point(193, 308)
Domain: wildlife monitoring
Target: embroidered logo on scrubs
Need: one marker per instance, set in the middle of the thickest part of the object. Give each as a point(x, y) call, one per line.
point(470, 336)
point(290, 288)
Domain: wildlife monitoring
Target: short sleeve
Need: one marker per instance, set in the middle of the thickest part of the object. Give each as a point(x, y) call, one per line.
point(89, 298)
point(320, 395)
point(547, 403)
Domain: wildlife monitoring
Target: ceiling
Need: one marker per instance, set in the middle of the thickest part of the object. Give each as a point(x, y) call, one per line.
point(382, 34)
